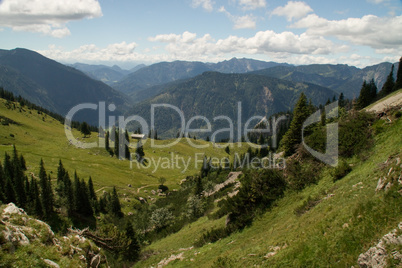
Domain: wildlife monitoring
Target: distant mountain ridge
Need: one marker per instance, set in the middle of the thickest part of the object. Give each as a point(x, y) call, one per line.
point(214, 94)
point(53, 85)
point(166, 72)
point(106, 74)
point(340, 78)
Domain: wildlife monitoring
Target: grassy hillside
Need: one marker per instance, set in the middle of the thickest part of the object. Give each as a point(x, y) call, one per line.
point(326, 224)
point(39, 136)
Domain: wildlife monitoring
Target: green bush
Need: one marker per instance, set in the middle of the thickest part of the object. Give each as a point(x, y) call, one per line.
point(355, 133)
point(341, 170)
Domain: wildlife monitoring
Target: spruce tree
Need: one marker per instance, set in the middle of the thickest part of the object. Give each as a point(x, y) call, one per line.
point(293, 136)
point(107, 146)
point(9, 191)
point(341, 100)
point(114, 205)
point(85, 203)
point(2, 182)
point(85, 130)
point(46, 194)
point(398, 82)
point(389, 84)
point(126, 148)
point(132, 250)
point(68, 194)
point(368, 94)
point(34, 196)
point(139, 152)
point(116, 143)
point(8, 167)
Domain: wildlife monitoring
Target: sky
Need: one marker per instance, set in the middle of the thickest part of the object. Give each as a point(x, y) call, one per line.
point(130, 32)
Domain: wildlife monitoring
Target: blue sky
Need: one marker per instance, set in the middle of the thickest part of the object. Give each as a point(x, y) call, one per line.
point(128, 32)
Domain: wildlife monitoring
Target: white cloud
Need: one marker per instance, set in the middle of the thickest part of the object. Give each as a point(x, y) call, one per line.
point(46, 16)
point(244, 22)
point(252, 4)
point(377, 1)
point(262, 42)
point(375, 32)
point(205, 4)
point(293, 10)
point(118, 52)
point(240, 22)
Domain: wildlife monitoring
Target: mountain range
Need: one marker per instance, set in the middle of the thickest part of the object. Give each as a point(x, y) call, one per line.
point(165, 72)
point(340, 78)
point(197, 88)
point(213, 94)
point(53, 85)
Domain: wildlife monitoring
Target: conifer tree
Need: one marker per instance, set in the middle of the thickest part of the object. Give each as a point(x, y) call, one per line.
point(18, 179)
point(114, 204)
point(139, 152)
point(46, 194)
point(132, 250)
point(293, 136)
point(37, 203)
point(368, 94)
point(91, 189)
point(389, 84)
point(85, 130)
point(2, 182)
point(126, 148)
point(9, 191)
point(8, 167)
point(107, 146)
point(398, 82)
point(116, 143)
point(85, 203)
point(341, 100)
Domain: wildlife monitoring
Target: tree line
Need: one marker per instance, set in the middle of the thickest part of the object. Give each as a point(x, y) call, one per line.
point(36, 195)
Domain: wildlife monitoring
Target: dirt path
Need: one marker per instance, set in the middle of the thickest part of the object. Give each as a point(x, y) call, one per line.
point(389, 102)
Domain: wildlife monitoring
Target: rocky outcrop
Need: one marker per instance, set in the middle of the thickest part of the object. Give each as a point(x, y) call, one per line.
point(17, 229)
point(378, 255)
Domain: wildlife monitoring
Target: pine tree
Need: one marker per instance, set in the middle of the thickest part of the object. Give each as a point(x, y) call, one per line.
point(114, 205)
point(60, 179)
point(116, 143)
point(107, 146)
point(126, 148)
point(398, 82)
point(18, 179)
point(85, 203)
point(139, 152)
point(46, 194)
point(341, 100)
point(37, 206)
point(8, 167)
point(85, 130)
point(2, 182)
point(91, 189)
point(293, 136)
point(132, 250)
point(389, 84)
point(368, 94)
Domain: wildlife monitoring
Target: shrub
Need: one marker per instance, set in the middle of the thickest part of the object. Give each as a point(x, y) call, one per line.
point(163, 188)
point(341, 170)
point(355, 133)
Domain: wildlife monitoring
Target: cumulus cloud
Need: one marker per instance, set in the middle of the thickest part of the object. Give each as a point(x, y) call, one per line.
point(46, 16)
point(375, 32)
point(252, 4)
point(240, 22)
point(205, 4)
point(293, 10)
point(262, 42)
point(118, 52)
